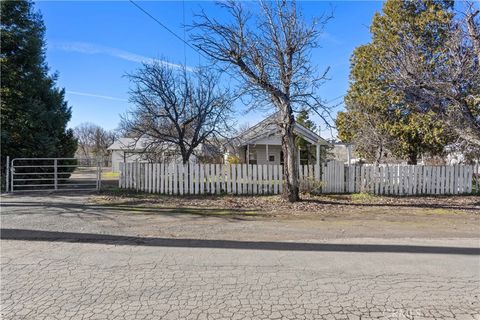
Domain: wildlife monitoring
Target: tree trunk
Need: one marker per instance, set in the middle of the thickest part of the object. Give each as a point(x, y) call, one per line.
point(412, 158)
point(378, 158)
point(291, 190)
point(186, 153)
point(185, 158)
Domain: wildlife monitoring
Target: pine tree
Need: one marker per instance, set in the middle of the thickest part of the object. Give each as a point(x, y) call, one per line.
point(307, 151)
point(379, 119)
point(34, 113)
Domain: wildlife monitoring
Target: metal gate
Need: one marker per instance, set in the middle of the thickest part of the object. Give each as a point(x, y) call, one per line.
point(54, 174)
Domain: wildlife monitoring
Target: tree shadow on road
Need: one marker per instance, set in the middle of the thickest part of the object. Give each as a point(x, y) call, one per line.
point(105, 210)
point(75, 237)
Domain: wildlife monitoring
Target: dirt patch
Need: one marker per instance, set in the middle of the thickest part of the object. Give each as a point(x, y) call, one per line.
point(315, 217)
point(309, 206)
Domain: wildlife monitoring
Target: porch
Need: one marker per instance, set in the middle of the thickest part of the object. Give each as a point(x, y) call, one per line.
point(272, 154)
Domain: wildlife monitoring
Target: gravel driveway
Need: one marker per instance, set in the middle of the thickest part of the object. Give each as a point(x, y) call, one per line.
point(64, 257)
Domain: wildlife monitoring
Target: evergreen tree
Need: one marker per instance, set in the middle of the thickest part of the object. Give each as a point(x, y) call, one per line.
point(34, 113)
point(379, 119)
point(307, 151)
point(306, 154)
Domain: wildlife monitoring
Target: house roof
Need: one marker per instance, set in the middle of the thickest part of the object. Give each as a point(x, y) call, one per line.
point(141, 145)
point(130, 144)
point(269, 127)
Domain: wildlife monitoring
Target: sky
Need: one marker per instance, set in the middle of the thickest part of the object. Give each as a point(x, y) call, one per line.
point(92, 45)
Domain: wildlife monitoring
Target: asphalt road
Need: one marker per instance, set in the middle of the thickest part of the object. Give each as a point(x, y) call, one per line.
point(53, 268)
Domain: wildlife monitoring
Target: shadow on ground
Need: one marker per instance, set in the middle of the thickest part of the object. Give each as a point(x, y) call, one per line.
point(102, 210)
point(75, 237)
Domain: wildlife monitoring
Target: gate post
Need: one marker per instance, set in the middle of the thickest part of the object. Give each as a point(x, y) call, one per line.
point(99, 173)
point(7, 174)
point(55, 176)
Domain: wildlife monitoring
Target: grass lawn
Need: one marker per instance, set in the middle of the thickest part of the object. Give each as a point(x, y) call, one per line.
point(110, 175)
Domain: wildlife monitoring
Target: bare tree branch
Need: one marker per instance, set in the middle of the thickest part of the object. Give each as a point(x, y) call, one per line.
point(176, 111)
point(270, 54)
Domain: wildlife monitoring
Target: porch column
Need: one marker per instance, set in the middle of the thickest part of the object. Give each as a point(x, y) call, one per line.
point(266, 152)
point(318, 153)
point(248, 154)
point(298, 155)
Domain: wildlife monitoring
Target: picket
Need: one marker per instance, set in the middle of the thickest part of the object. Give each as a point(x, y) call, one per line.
point(121, 178)
point(239, 178)
point(156, 178)
point(195, 179)
point(332, 177)
point(150, 177)
point(469, 181)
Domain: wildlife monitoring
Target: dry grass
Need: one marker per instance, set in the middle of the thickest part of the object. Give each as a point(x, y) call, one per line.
point(331, 205)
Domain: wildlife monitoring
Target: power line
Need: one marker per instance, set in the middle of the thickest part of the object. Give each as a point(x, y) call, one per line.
point(166, 28)
point(178, 37)
point(184, 35)
point(188, 44)
point(334, 99)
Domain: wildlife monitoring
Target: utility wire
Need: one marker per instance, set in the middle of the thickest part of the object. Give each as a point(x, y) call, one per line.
point(189, 45)
point(166, 28)
point(184, 35)
point(334, 99)
point(179, 38)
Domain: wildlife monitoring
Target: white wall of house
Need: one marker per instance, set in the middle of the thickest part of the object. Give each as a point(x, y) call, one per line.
point(117, 158)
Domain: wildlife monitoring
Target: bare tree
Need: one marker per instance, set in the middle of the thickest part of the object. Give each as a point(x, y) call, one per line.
point(270, 53)
point(93, 140)
point(447, 83)
point(175, 110)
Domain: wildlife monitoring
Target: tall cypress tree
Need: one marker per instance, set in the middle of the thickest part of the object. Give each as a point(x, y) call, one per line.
point(379, 119)
point(34, 113)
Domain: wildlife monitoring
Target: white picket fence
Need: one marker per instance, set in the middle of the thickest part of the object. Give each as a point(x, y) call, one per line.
point(201, 178)
point(332, 177)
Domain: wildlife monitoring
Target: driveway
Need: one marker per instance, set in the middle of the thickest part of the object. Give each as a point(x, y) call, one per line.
point(66, 258)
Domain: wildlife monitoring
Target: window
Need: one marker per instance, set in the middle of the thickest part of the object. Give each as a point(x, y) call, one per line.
point(271, 158)
point(252, 159)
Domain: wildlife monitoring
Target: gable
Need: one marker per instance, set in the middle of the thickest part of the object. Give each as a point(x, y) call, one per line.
point(268, 130)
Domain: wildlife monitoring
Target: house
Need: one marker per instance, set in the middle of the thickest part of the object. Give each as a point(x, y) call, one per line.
point(127, 150)
point(145, 150)
point(262, 144)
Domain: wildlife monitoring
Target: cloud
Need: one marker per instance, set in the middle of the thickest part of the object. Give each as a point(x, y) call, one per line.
point(86, 94)
point(328, 37)
point(90, 48)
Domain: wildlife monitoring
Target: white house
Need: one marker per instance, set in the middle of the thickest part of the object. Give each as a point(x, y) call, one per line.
point(262, 143)
point(143, 150)
point(127, 150)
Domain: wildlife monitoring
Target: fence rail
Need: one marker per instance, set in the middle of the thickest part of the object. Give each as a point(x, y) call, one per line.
point(332, 177)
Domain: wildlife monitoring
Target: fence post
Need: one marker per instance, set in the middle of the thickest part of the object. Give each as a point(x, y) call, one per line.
point(99, 173)
point(120, 176)
point(55, 175)
point(7, 174)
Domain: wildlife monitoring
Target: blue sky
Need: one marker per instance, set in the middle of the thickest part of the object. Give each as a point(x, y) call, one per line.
point(93, 44)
